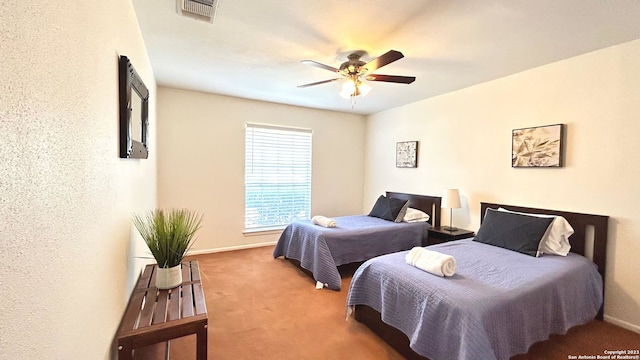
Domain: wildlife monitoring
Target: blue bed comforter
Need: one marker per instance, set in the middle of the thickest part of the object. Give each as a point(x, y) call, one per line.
point(497, 304)
point(355, 238)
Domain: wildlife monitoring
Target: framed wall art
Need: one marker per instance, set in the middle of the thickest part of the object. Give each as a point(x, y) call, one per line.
point(407, 154)
point(540, 146)
point(134, 112)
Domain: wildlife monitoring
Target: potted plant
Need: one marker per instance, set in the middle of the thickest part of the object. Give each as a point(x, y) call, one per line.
point(169, 235)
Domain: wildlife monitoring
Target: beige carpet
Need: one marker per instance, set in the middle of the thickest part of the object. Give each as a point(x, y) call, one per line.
point(261, 308)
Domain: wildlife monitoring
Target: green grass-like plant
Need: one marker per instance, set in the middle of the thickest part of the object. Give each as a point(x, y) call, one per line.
point(168, 233)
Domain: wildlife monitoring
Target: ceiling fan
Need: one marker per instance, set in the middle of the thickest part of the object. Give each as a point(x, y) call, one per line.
point(355, 72)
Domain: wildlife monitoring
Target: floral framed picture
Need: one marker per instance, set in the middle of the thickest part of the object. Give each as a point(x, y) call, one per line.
point(540, 146)
point(407, 154)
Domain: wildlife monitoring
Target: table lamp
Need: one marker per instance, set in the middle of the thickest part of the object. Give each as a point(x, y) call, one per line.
point(451, 200)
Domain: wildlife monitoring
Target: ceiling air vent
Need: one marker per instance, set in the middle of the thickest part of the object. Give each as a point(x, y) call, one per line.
point(204, 10)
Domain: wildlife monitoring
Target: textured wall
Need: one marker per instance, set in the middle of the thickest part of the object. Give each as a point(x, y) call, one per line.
point(65, 196)
point(201, 160)
point(465, 143)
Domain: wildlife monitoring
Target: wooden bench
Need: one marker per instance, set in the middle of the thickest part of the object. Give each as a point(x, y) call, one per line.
point(155, 315)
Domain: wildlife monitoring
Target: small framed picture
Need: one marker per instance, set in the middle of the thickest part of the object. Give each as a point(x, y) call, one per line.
point(537, 146)
point(407, 154)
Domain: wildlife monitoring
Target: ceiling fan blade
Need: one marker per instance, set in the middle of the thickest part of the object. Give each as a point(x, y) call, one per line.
point(321, 66)
point(391, 78)
point(319, 82)
point(384, 59)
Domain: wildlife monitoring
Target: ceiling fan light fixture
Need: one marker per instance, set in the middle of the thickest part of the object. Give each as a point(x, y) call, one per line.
point(353, 87)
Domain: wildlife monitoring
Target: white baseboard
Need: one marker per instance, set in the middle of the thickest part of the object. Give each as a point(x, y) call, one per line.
point(622, 323)
point(231, 248)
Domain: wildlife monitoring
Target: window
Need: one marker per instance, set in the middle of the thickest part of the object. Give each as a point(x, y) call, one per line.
point(277, 177)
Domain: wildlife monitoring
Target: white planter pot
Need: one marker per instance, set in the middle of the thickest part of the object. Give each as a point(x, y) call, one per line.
point(168, 278)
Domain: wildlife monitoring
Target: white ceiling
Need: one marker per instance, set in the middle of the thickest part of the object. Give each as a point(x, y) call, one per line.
point(254, 47)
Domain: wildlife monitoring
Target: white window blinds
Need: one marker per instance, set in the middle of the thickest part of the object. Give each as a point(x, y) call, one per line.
point(277, 178)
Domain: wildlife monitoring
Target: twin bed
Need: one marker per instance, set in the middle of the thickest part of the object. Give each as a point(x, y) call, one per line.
point(497, 304)
point(356, 238)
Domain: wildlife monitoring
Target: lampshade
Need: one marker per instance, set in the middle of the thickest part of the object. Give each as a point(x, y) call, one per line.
point(451, 199)
point(364, 88)
point(348, 88)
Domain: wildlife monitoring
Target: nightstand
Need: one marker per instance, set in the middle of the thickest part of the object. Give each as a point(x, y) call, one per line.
point(439, 235)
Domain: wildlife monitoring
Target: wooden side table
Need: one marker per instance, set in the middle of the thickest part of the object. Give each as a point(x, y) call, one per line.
point(438, 234)
point(155, 315)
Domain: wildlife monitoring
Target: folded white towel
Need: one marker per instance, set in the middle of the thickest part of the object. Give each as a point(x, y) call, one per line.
point(323, 221)
point(431, 261)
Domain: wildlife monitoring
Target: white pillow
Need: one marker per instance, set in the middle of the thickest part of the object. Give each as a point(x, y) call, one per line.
point(415, 215)
point(556, 239)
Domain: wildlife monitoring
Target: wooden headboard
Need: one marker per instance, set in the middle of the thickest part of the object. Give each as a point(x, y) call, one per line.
point(429, 204)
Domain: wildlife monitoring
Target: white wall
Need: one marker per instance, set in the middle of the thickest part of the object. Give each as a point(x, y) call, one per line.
point(465, 143)
point(65, 196)
point(201, 160)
